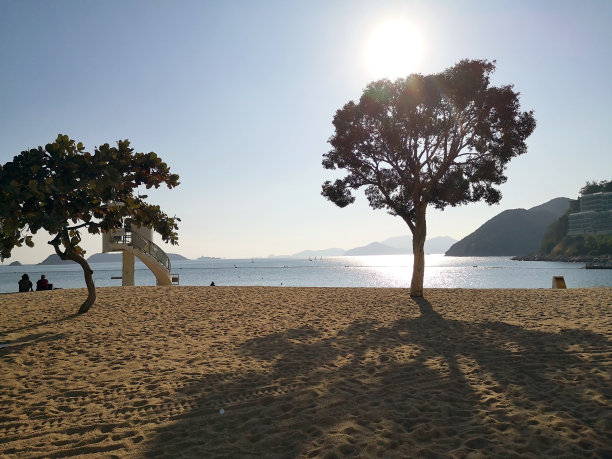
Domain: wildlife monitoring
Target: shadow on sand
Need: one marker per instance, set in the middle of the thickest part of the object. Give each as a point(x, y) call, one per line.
point(424, 386)
point(36, 325)
point(9, 345)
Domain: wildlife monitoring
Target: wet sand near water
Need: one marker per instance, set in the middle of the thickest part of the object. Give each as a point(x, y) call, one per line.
point(306, 372)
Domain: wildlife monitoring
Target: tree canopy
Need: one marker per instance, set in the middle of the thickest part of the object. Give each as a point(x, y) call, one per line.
point(596, 187)
point(63, 189)
point(434, 140)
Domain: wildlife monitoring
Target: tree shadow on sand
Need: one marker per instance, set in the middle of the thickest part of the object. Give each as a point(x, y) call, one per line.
point(16, 346)
point(426, 386)
point(35, 325)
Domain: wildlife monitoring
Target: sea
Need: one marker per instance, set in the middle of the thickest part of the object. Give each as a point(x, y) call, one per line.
point(393, 271)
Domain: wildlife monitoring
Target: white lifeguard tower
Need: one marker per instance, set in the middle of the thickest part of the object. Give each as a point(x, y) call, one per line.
point(136, 242)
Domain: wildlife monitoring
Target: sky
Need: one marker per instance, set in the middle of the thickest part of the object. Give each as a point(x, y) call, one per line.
point(238, 97)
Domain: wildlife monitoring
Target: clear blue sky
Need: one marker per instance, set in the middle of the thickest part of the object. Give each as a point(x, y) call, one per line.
point(238, 97)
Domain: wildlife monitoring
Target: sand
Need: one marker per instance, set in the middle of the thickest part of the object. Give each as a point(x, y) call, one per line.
point(306, 372)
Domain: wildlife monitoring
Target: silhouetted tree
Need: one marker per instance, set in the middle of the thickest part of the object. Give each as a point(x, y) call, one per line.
point(439, 140)
point(596, 187)
point(62, 189)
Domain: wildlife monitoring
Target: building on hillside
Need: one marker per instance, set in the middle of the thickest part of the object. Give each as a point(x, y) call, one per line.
point(595, 216)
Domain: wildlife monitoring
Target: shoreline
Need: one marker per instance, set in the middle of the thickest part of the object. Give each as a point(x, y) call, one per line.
point(290, 287)
point(565, 258)
point(307, 371)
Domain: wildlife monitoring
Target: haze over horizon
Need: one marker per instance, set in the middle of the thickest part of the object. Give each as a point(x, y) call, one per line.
point(238, 99)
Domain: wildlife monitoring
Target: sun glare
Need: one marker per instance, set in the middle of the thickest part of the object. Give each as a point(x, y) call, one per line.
point(393, 50)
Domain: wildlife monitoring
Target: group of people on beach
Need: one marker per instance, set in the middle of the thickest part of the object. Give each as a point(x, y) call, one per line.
point(25, 284)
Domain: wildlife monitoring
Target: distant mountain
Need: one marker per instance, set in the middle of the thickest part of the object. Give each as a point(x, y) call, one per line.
point(105, 257)
point(403, 243)
point(15, 263)
point(176, 257)
point(54, 259)
point(398, 245)
point(438, 244)
point(110, 257)
point(374, 248)
point(512, 232)
point(334, 252)
point(557, 206)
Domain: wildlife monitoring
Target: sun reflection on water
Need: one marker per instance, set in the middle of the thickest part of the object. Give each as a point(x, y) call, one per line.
point(470, 272)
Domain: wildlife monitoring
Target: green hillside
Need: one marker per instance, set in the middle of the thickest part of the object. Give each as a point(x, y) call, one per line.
point(512, 232)
point(556, 242)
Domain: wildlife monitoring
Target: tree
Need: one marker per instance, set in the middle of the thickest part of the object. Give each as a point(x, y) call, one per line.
point(62, 189)
point(439, 140)
point(596, 187)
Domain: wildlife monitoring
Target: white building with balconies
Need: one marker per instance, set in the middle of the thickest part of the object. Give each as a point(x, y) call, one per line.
point(595, 216)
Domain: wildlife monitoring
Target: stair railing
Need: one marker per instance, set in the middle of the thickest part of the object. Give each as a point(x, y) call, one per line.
point(147, 246)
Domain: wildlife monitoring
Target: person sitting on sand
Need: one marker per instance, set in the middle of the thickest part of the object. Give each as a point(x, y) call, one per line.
point(43, 284)
point(25, 284)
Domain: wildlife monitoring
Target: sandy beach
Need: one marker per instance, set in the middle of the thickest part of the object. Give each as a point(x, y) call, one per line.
point(306, 372)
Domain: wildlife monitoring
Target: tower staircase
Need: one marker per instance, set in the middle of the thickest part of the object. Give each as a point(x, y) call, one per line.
point(136, 242)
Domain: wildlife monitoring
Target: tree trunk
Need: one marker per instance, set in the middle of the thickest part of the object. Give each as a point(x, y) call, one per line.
point(87, 272)
point(418, 248)
point(91, 288)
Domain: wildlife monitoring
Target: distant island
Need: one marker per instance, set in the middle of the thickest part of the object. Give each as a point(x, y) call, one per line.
point(54, 259)
point(399, 245)
point(15, 263)
point(111, 257)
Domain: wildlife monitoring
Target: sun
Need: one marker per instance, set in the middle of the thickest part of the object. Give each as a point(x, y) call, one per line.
point(393, 50)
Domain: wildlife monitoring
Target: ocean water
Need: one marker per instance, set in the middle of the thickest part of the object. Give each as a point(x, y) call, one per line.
point(367, 271)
